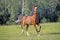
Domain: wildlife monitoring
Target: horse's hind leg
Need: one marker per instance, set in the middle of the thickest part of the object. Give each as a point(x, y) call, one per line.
point(27, 30)
point(22, 28)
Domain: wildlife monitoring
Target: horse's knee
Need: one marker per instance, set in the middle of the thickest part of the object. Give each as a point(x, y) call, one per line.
point(35, 28)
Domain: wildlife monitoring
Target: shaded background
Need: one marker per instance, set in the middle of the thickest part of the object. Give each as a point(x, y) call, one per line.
point(48, 10)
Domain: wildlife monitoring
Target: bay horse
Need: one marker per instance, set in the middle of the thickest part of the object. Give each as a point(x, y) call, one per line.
point(31, 20)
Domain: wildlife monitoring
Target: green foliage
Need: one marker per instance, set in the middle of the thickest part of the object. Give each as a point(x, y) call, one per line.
point(44, 20)
point(58, 14)
point(14, 7)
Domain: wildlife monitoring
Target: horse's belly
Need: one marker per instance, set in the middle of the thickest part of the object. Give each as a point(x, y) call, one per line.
point(29, 21)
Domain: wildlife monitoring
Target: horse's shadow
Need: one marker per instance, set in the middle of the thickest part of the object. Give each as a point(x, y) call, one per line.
point(51, 33)
point(55, 33)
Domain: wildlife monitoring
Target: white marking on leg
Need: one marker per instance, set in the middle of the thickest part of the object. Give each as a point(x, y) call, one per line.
point(27, 33)
point(22, 31)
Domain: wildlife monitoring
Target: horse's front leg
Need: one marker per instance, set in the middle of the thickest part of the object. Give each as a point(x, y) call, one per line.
point(22, 25)
point(27, 30)
point(36, 30)
point(39, 28)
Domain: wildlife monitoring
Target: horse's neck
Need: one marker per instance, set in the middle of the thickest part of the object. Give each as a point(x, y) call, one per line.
point(35, 15)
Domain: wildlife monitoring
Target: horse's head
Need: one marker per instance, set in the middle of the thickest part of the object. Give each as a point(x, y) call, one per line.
point(35, 8)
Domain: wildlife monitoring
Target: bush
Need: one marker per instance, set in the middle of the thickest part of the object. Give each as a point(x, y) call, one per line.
point(4, 18)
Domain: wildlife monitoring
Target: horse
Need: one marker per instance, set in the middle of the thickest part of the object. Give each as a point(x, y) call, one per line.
point(31, 20)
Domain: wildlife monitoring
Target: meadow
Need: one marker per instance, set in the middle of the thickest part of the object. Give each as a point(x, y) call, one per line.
point(49, 31)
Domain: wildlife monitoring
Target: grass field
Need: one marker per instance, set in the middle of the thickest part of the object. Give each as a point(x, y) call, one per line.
point(49, 31)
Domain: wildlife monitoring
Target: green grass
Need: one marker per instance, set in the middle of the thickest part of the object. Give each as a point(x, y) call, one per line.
point(49, 31)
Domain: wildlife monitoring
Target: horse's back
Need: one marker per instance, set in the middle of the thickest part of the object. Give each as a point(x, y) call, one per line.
point(28, 20)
